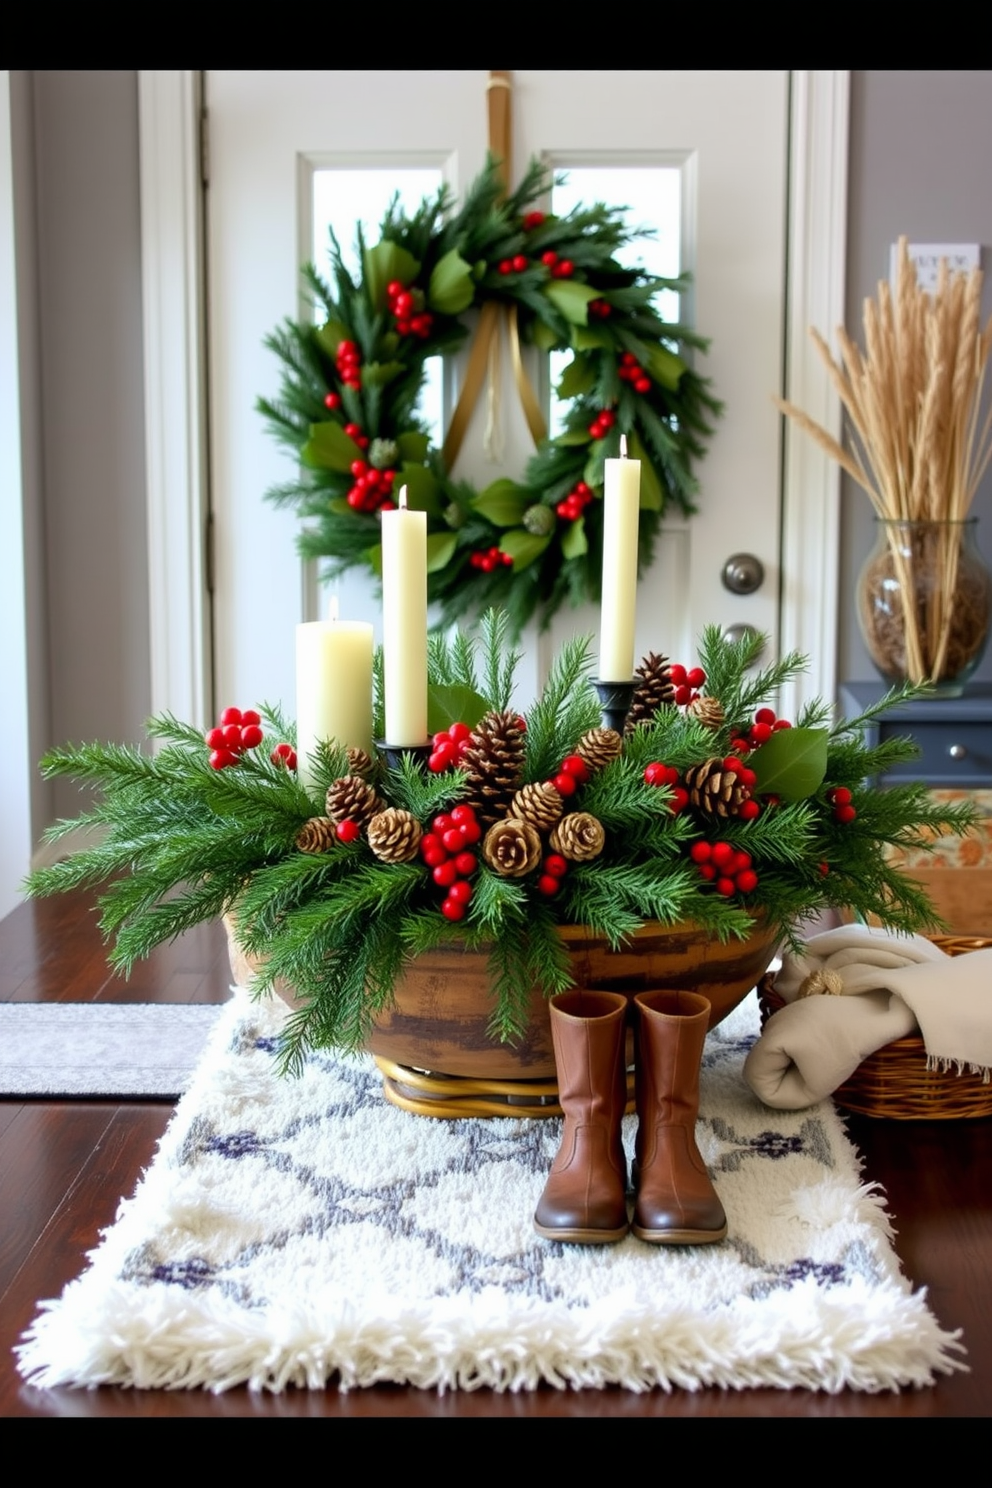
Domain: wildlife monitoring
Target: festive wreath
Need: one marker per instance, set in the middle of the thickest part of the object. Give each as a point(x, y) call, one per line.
point(351, 383)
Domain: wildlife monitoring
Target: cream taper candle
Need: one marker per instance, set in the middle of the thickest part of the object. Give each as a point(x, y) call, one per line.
point(333, 687)
point(404, 623)
point(621, 507)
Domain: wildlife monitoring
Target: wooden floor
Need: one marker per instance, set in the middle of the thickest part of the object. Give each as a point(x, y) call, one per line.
point(64, 1165)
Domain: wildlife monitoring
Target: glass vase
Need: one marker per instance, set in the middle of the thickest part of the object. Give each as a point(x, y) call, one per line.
point(923, 602)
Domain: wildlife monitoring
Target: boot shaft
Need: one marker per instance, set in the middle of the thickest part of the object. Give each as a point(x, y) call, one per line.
point(588, 1031)
point(671, 1032)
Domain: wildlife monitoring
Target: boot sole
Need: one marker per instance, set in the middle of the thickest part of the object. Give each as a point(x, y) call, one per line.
point(679, 1237)
point(582, 1237)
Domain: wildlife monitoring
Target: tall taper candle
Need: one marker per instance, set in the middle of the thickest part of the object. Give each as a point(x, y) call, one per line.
point(333, 687)
point(404, 623)
point(621, 505)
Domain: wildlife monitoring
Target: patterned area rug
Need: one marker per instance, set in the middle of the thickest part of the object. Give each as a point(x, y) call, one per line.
point(305, 1232)
point(69, 1049)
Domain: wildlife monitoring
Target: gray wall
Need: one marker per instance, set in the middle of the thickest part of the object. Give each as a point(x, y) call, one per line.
point(920, 164)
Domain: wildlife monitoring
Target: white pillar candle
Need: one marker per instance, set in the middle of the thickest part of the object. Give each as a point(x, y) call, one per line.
point(333, 687)
point(404, 623)
point(621, 506)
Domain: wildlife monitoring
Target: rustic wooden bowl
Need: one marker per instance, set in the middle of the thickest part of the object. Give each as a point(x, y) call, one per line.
point(439, 1021)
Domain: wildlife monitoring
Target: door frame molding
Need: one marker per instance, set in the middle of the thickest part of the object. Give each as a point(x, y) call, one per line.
point(172, 222)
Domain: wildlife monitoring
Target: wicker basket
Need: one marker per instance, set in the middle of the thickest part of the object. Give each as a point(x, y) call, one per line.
point(894, 1082)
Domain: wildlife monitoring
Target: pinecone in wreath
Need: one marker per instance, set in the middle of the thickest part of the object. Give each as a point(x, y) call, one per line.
point(394, 835)
point(350, 798)
point(708, 711)
point(538, 804)
point(655, 690)
point(714, 789)
point(512, 848)
point(579, 836)
point(598, 747)
point(316, 835)
point(494, 761)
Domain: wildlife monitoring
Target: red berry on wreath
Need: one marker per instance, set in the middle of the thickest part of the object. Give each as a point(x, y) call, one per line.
point(764, 715)
point(840, 796)
point(466, 863)
point(214, 739)
point(460, 891)
point(519, 262)
point(576, 766)
point(679, 801)
point(549, 258)
point(445, 874)
point(532, 220)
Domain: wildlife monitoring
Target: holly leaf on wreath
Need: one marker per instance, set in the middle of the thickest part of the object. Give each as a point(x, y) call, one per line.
point(573, 436)
point(387, 261)
point(331, 334)
point(453, 702)
point(574, 543)
point(440, 551)
point(571, 298)
point(665, 367)
point(413, 446)
point(591, 338)
point(503, 503)
point(452, 287)
point(421, 488)
point(329, 448)
point(652, 495)
point(578, 377)
point(378, 374)
point(523, 547)
point(792, 764)
point(595, 471)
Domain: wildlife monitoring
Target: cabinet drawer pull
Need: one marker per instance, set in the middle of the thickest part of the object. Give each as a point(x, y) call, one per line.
point(957, 751)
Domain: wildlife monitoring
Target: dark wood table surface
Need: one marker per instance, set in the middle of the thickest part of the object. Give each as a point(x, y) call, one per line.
point(64, 1165)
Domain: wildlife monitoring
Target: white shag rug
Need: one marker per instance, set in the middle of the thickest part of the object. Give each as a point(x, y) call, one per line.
point(304, 1232)
point(69, 1049)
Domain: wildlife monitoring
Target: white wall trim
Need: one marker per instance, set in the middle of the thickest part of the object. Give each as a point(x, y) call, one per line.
point(175, 378)
point(817, 250)
point(174, 365)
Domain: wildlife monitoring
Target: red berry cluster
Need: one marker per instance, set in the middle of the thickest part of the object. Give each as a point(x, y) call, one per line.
point(372, 489)
point(686, 683)
point(235, 733)
point(572, 772)
point(602, 308)
point(561, 268)
point(332, 400)
point(514, 265)
point(765, 724)
point(284, 754)
point(725, 866)
point(409, 320)
point(574, 504)
point(349, 361)
point(659, 774)
point(449, 746)
point(489, 558)
point(749, 808)
point(445, 850)
point(602, 423)
point(532, 220)
point(553, 870)
point(630, 370)
point(354, 432)
point(841, 800)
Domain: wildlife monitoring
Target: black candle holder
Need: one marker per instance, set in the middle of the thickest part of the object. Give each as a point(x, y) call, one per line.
point(614, 701)
point(392, 754)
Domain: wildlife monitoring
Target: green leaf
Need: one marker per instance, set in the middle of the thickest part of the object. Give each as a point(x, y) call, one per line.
point(665, 367)
point(449, 703)
point(440, 550)
point(652, 495)
point(543, 337)
point(329, 448)
point(503, 503)
point(577, 378)
point(570, 298)
point(413, 446)
point(523, 547)
point(792, 764)
point(591, 338)
point(452, 287)
point(573, 436)
point(378, 374)
point(595, 473)
point(574, 542)
point(339, 506)
point(421, 488)
point(331, 334)
point(374, 559)
point(386, 261)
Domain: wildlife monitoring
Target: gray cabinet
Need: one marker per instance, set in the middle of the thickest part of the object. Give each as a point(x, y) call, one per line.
point(954, 734)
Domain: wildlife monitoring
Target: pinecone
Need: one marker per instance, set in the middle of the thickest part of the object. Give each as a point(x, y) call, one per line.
point(512, 848)
point(715, 790)
point(360, 763)
point(707, 711)
point(494, 760)
point(539, 804)
point(350, 798)
point(598, 747)
point(579, 836)
point(654, 691)
point(316, 835)
point(394, 835)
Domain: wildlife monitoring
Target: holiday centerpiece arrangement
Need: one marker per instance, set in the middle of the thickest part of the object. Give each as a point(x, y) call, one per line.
point(341, 864)
point(351, 381)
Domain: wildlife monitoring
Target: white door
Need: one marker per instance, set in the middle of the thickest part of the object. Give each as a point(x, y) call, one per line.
point(269, 131)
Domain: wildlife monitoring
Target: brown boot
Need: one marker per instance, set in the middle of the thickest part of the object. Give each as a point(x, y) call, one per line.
point(676, 1204)
point(584, 1200)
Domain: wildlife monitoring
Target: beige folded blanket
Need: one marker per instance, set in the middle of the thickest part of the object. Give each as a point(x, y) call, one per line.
point(857, 988)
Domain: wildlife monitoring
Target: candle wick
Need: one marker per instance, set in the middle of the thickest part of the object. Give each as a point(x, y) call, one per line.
point(403, 498)
point(623, 446)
